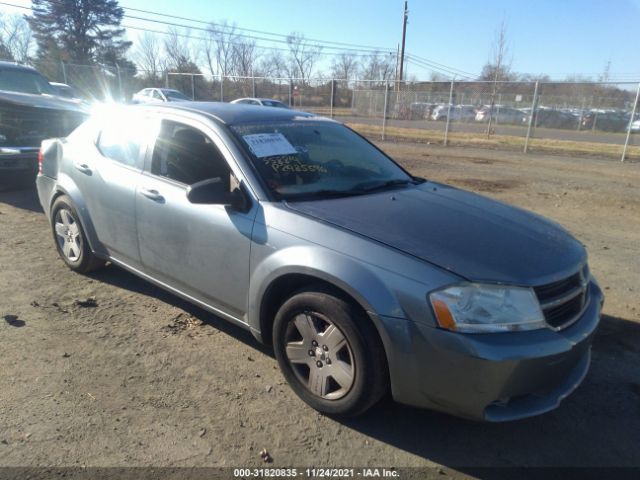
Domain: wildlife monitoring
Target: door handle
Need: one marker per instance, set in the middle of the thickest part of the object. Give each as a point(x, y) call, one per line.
point(152, 194)
point(83, 167)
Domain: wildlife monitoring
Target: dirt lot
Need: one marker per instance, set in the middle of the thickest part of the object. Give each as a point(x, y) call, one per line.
point(139, 377)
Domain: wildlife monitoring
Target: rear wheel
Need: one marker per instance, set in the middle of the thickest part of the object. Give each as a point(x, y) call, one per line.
point(71, 241)
point(330, 353)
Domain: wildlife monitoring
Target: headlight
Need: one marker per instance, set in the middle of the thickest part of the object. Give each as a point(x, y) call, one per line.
point(476, 308)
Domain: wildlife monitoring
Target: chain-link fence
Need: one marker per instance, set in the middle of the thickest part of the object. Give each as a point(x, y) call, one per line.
point(567, 118)
point(585, 118)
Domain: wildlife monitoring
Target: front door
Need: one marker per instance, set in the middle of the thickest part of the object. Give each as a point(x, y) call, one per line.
point(201, 250)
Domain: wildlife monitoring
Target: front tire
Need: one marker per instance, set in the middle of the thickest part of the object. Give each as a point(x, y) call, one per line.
point(330, 353)
point(70, 239)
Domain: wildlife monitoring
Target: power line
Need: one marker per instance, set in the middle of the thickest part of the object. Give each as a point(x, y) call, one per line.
point(368, 53)
point(251, 37)
point(326, 44)
point(426, 60)
point(435, 67)
point(365, 50)
point(262, 32)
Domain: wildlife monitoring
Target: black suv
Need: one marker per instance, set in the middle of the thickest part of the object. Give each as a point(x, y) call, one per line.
point(30, 111)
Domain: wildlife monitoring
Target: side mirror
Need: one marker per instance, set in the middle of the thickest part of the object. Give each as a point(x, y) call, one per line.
point(213, 191)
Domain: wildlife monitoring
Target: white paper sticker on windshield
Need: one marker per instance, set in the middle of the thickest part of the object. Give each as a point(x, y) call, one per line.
point(269, 145)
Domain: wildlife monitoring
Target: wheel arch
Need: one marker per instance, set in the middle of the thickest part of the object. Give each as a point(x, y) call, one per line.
point(283, 285)
point(80, 207)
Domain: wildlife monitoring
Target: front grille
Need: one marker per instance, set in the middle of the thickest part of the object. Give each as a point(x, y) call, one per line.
point(28, 126)
point(563, 301)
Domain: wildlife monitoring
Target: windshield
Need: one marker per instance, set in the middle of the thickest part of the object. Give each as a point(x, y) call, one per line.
point(175, 95)
point(24, 81)
point(273, 103)
point(302, 159)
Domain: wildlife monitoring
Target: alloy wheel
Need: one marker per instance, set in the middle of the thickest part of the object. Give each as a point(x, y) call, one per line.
point(320, 355)
point(68, 235)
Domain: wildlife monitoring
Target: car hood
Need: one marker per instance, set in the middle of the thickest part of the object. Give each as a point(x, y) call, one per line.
point(49, 102)
point(473, 236)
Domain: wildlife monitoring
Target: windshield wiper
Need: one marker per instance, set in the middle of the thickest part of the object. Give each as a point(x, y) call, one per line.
point(380, 185)
point(329, 193)
point(359, 189)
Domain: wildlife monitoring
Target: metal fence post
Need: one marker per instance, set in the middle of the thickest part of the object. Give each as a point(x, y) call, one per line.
point(333, 82)
point(193, 86)
point(633, 115)
point(446, 128)
point(353, 94)
point(290, 92)
point(64, 72)
point(384, 112)
point(533, 113)
point(253, 85)
point(221, 88)
point(166, 79)
point(584, 103)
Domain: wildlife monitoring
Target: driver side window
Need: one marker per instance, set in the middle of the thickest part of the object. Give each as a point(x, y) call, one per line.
point(186, 155)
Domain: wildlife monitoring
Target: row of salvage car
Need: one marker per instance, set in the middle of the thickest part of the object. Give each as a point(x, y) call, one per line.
point(609, 120)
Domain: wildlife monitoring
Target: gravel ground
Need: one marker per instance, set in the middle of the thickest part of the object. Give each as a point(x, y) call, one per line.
point(107, 370)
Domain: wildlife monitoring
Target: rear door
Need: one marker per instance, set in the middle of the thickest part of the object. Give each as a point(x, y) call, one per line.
point(201, 250)
point(107, 174)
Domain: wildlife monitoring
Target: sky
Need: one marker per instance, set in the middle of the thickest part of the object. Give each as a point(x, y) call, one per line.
point(558, 38)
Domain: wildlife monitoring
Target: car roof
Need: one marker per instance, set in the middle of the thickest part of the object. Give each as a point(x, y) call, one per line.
point(232, 113)
point(16, 66)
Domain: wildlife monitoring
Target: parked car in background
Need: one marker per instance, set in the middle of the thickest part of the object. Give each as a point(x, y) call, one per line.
point(30, 111)
point(634, 126)
point(608, 121)
point(552, 118)
point(459, 113)
point(421, 110)
point(159, 95)
point(264, 102)
point(500, 114)
point(364, 278)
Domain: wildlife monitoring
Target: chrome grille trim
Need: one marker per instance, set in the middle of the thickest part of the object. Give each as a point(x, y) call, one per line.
point(558, 299)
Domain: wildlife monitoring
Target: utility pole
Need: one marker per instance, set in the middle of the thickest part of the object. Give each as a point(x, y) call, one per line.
point(397, 60)
point(404, 35)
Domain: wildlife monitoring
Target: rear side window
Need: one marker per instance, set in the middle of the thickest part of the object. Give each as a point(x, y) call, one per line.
point(121, 143)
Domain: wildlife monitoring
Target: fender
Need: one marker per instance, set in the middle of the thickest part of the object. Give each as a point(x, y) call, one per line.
point(355, 278)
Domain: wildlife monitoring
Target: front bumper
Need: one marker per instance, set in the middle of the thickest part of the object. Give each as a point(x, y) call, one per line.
point(18, 164)
point(493, 377)
point(18, 158)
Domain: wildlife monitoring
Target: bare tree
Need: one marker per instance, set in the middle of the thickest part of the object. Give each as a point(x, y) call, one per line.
point(345, 66)
point(218, 48)
point(243, 58)
point(499, 67)
point(179, 56)
point(304, 55)
point(16, 38)
point(274, 65)
point(378, 67)
point(149, 55)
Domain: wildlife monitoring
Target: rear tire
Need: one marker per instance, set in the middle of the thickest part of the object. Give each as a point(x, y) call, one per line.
point(70, 239)
point(330, 353)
